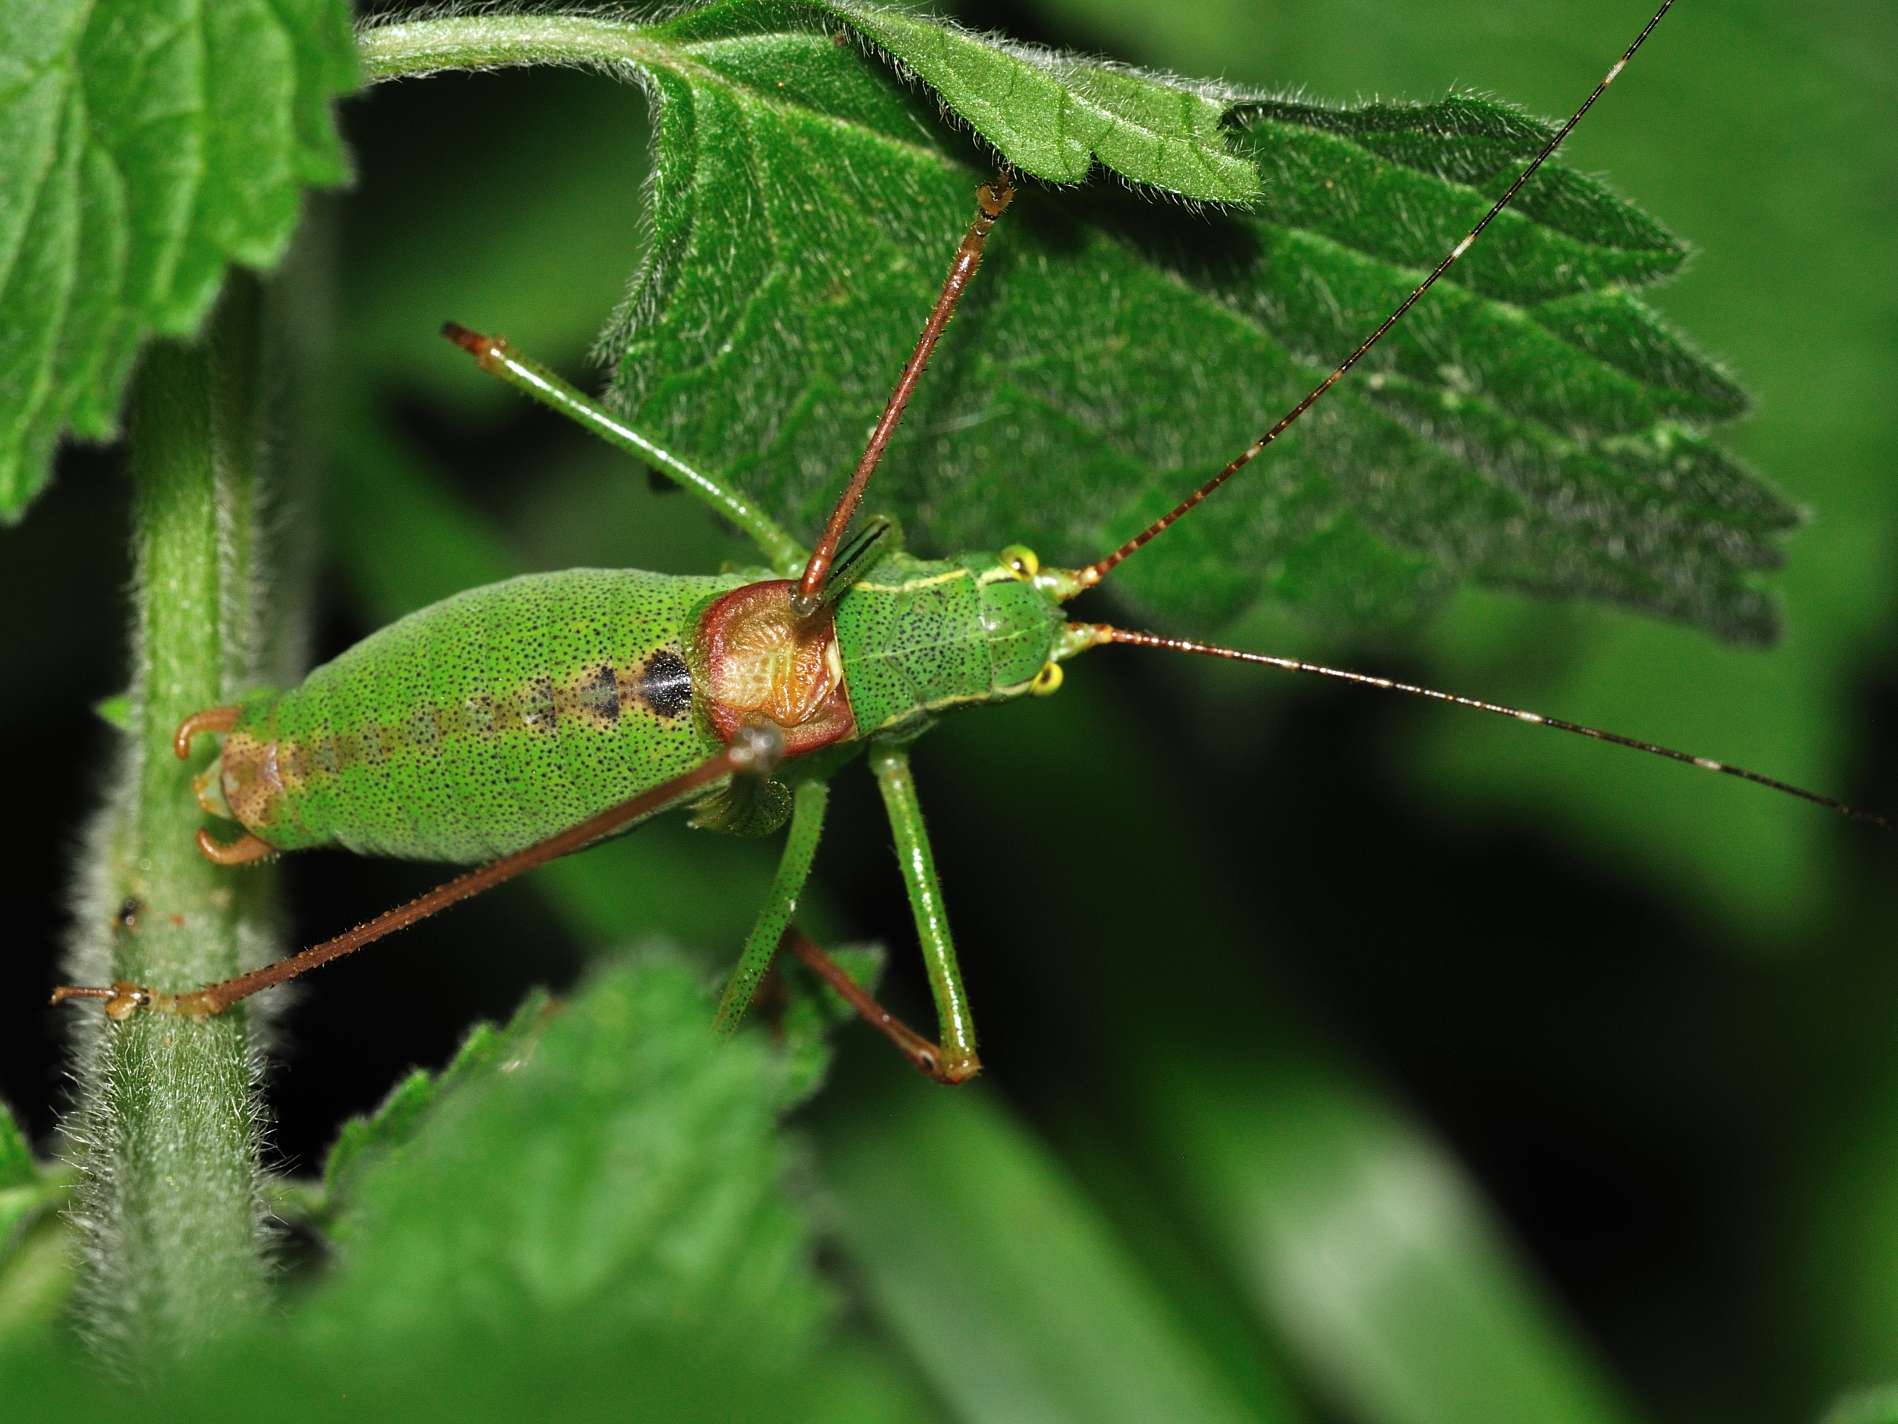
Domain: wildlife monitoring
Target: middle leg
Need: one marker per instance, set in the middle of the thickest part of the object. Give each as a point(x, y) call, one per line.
point(774, 917)
point(955, 1027)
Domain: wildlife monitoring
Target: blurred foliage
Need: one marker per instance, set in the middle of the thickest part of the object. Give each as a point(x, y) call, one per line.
point(31, 1284)
point(1346, 1061)
point(586, 1209)
point(149, 144)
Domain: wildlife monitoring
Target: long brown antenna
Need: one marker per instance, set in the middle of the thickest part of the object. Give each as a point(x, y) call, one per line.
point(1099, 570)
point(1103, 633)
point(756, 749)
point(991, 201)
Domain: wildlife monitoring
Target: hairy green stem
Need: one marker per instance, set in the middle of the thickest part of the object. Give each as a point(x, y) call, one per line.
point(168, 1122)
point(409, 48)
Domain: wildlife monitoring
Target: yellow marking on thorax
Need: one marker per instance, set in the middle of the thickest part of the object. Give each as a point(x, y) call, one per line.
point(949, 577)
point(938, 704)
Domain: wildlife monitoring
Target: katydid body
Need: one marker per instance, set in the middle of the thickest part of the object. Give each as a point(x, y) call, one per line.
point(524, 720)
point(478, 725)
point(483, 725)
point(498, 717)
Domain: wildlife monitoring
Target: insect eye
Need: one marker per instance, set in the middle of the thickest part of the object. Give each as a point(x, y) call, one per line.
point(1048, 680)
point(1020, 561)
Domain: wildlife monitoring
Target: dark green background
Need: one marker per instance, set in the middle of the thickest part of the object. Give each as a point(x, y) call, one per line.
point(1648, 1013)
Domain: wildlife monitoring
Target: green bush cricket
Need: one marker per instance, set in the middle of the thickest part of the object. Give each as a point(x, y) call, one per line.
point(511, 721)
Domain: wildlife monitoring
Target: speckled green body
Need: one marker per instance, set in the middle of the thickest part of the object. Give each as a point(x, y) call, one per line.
point(489, 720)
point(507, 713)
point(919, 636)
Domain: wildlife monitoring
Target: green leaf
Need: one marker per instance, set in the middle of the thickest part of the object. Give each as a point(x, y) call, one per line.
point(1530, 426)
point(1308, 1202)
point(24, 1191)
point(811, 1012)
point(585, 1218)
point(615, 1177)
point(1364, 1246)
point(1048, 115)
point(1055, 116)
point(364, 1142)
point(36, 1256)
point(1866, 1406)
point(1017, 1301)
point(115, 711)
point(37, 1275)
point(149, 144)
point(800, 1038)
point(16, 1154)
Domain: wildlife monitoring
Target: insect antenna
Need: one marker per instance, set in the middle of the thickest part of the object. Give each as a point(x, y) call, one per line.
point(1104, 633)
point(1100, 568)
point(857, 558)
point(991, 201)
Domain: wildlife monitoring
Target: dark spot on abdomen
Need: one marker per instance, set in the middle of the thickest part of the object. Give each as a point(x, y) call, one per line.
point(600, 697)
point(537, 706)
point(424, 729)
point(377, 744)
point(665, 684)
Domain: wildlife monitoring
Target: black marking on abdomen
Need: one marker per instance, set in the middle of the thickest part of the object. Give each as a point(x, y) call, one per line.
point(481, 718)
point(537, 706)
point(600, 697)
point(377, 742)
point(665, 684)
point(425, 729)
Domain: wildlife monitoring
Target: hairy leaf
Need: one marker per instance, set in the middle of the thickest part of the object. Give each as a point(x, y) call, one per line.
point(147, 145)
point(811, 1011)
point(1053, 115)
point(1531, 426)
point(584, 1218)
point(366, 1141)
point(366, 1144)
point(599, 1175)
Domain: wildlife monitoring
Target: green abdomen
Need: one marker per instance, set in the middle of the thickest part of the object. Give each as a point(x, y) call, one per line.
point(483, 723)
